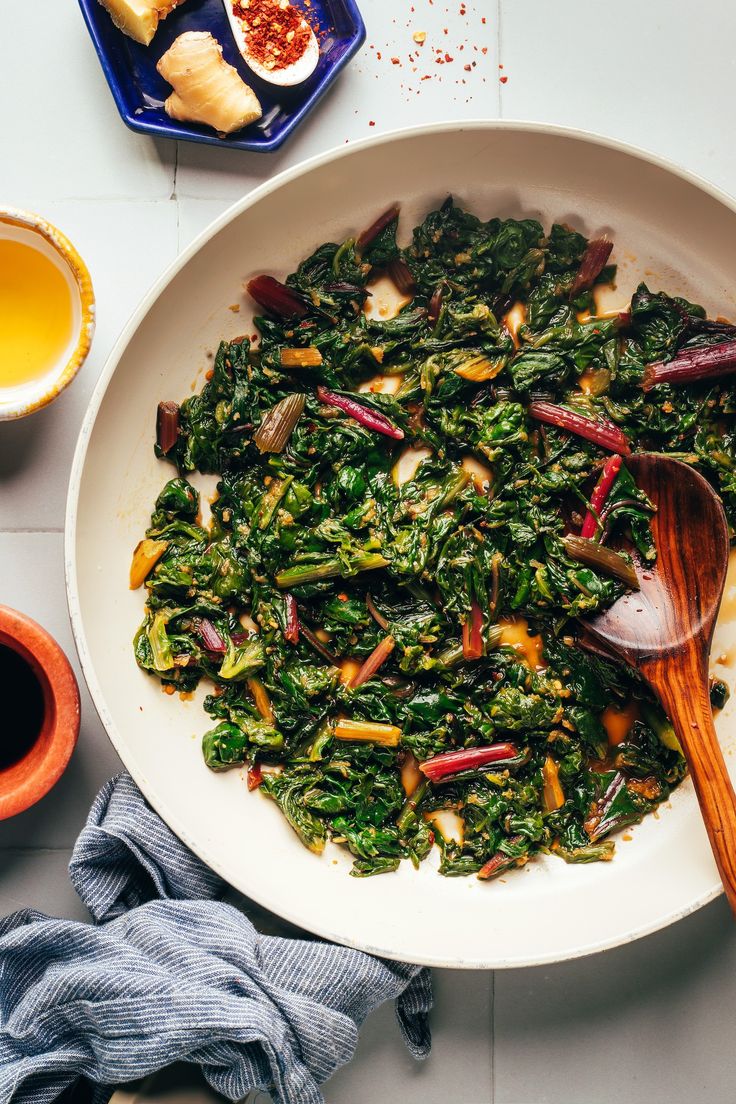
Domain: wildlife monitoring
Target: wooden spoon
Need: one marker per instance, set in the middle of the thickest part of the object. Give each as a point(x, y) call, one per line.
point(664, 631)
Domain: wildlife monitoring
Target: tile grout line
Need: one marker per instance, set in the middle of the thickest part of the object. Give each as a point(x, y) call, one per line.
point(175, 197)
point(20, 532)
point(174, 194)
point(126, 199)
point(499, 47)
point(11, 850)
point(493, 1037)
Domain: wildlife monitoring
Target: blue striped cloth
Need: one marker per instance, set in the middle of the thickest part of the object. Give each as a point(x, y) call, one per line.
point(169, 973)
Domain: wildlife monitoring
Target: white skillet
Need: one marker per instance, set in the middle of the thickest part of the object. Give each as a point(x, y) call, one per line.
point(669, 228)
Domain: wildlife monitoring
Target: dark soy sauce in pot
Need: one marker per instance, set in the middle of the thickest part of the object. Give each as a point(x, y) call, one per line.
point(21, 707)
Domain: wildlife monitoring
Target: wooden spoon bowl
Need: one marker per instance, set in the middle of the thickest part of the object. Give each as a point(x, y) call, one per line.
point(664, 631)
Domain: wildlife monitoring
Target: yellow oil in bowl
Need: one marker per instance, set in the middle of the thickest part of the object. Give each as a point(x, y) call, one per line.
point(36, 313)
point(47, 312)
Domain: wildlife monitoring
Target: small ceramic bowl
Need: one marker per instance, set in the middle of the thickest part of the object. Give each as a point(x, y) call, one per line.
point(26, 781)
point(22, 399)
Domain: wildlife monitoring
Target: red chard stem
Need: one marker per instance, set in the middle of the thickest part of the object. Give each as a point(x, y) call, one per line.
point(600, 493)
point(291, 632)
point(601, 432)
point(592, 264)
point(371, 419)
point(276, 298)
point(692, 365)
point(454, 762)
point(371, 233)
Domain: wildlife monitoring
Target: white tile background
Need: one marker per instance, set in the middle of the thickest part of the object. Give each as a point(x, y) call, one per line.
point(649, 1023)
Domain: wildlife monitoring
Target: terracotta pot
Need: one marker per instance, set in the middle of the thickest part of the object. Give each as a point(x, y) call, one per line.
point(24, 783)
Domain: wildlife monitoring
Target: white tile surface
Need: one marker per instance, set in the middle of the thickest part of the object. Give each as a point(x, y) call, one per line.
point(195, 215)
point(375, 94)
point(651, 73)
point(459, 1067)
point(650, 1023)
point(62, 136)
point(39, 880)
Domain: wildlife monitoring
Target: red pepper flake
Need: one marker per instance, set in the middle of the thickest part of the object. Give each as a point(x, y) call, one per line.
point(276, 36)
point(503, 79)
point(371, 122)
point(468, 68)
point(254, 775)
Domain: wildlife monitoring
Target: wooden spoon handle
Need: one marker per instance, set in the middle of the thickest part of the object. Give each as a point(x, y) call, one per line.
point(682, 687)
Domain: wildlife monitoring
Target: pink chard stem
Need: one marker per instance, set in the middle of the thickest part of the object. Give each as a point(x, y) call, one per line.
point(454, 762)
point(209, 636)
point(601, 432)
point(371, 419)
point(276, 298)
point(498, 863)
point(594, 261)
point(371, 233)
point(693, 365)
point(291, 632)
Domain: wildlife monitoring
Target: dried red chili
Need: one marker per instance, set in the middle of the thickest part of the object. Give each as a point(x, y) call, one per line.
point(276, 33)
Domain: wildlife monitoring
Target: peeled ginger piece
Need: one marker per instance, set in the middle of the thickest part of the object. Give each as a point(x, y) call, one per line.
point(139, 19)
point(206, 89)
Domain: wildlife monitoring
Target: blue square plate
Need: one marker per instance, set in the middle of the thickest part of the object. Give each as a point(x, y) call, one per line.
point(140, 92)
